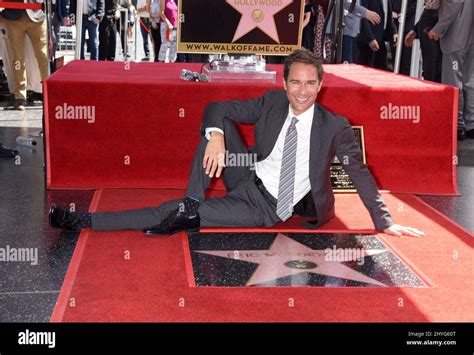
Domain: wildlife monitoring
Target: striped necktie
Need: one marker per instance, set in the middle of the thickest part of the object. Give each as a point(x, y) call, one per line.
point(287, 174)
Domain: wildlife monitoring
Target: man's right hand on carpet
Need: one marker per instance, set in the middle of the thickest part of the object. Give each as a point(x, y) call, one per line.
point(214, 155)
point(398, 230)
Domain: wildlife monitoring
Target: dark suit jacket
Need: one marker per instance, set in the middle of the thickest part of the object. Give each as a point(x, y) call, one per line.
point(410, 14)
point(331, 135)
point(369, 32)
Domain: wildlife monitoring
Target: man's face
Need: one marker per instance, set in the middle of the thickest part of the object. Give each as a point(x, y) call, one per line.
point(302, 87)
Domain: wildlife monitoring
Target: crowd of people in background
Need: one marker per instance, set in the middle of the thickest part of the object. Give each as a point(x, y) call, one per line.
point(445, 30)
point(103, 19)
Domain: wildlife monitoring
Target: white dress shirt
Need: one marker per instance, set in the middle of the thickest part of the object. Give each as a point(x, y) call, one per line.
point(268, 170)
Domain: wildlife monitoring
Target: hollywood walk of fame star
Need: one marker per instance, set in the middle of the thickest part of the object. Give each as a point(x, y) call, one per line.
point(287, 257)
point(258, 14)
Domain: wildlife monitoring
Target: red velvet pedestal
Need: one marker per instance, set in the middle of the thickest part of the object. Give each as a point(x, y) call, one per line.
point(139, 125)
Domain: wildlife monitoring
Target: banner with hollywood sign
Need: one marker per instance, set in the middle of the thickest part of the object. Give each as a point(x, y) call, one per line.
point(270, 27)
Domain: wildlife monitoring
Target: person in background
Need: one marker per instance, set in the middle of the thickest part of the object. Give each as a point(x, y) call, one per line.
point(372, 38)
point(92, 13)
point(352, 27)
point(309, 24)
point(124, 16)
point(19, 24)
point(156, 8)
point(60, 17)
point(455, 31)
point(168, 29)
point(132, 15)
point(405, 59)
point(319, 36)
point(108, 30)
point(144, 23)
point(430, 49)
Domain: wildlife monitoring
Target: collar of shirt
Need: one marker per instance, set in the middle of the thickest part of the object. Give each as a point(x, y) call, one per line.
point(305, 120)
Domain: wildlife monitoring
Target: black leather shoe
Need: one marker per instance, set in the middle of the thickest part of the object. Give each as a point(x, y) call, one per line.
point(32, 96)
point(62, 218)
point(176, 221)
point(6, 152)
point(461, 134)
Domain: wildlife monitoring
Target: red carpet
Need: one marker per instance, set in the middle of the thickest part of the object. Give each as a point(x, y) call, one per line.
point(125, 276)
point(164, 113)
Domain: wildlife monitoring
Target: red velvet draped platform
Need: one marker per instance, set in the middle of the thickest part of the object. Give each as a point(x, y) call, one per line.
point(142, 128)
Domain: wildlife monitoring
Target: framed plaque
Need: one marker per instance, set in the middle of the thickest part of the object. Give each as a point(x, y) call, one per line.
point(340, 180)
point(271, 27)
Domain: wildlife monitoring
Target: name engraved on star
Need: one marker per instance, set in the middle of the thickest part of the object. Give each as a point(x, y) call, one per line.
point(258, 2)
point(240, 254)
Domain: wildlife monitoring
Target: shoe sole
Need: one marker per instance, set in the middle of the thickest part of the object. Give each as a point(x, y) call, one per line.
point(189, 231)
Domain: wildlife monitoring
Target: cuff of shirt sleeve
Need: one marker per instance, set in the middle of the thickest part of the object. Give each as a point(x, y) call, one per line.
point(212, 129)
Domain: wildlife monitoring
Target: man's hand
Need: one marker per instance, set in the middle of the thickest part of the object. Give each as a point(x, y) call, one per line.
point(433, 35)
point(96, 21)
point(409, 38)
point(399, 230)
point(395, 39)
point(374, 45)
point(373, 17)
point(214, 155)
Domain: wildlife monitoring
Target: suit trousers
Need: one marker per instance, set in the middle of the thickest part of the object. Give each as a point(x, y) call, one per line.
point(430, 50)
point(370, 58)
point(458, 71)
point(107, 39)
point(16, 31)
point(245, 205)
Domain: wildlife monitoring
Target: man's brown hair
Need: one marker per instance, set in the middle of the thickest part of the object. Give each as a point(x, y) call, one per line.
point(303, 56)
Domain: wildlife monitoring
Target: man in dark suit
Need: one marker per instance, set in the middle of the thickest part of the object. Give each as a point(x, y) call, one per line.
point(295, 142)
point(372, 37)
point(108, 30)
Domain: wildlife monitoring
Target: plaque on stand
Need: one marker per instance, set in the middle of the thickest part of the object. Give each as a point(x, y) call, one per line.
point(340, 180)
point(239, 70)
point(267, 27)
